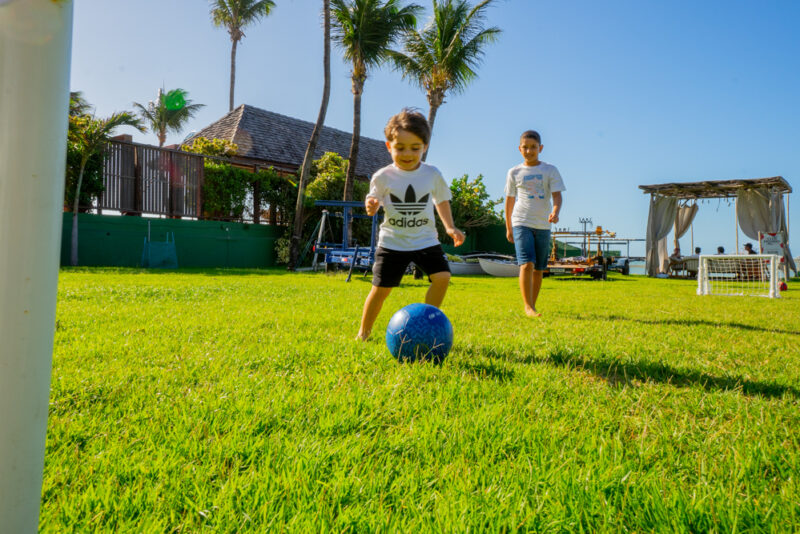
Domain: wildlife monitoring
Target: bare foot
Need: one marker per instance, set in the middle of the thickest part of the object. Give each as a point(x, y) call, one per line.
point(362, 336)
point(531, 312)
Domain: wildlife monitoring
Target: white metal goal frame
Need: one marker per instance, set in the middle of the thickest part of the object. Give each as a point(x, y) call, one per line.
point(739, 275)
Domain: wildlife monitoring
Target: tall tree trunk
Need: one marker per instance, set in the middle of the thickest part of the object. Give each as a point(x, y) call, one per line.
point(73, 258)
point(358, 87)
point(233, 72)
point(297, 233)
point(350, 179)
point(434, 107)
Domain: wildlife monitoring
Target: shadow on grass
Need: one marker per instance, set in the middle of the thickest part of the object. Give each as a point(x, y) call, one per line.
point(680, 322)
point(619, 374)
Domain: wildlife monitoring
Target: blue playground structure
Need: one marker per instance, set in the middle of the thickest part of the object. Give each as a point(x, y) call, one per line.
point(336, 255)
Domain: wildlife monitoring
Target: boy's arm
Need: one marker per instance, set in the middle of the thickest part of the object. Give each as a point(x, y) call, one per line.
point(372, 204)
point(553, 218)
point(446, 215)
point(510, 201)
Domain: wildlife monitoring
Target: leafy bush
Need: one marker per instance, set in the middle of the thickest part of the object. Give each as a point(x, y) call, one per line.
point(471, 206)
point(92, 184)
point(327, 183)
point(212, 147)
point(279, 192)
point(226, 189)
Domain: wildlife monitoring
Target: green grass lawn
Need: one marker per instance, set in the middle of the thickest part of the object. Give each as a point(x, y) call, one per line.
point(237, 401)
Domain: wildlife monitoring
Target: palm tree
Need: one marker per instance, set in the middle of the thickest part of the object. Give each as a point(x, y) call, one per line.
point(78, 105)
point(365, 30)
point(294, 249)
point(91, 135)
point(444, 56)
point(169, 113)
point(235, 16)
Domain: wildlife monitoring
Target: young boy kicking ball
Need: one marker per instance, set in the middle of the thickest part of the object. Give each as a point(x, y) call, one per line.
point(408, 190)
point(529, 187)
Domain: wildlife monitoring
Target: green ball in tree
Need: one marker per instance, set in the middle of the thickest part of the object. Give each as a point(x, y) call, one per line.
point(174, 100)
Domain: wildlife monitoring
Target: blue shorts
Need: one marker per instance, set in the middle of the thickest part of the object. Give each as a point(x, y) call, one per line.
point(533, 246)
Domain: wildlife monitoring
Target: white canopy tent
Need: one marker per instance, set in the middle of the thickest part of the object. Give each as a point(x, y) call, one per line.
point(673, 206)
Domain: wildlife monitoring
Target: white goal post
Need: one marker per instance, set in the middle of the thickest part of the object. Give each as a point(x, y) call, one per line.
point(35, 51)
point(739, 274)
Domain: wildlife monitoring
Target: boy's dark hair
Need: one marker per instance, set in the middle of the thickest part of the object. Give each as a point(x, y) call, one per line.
point(409, 120)
point(531, 134)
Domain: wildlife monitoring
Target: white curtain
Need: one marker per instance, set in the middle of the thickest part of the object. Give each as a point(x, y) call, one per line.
point(659, 222)
point(683, 220)
point(761, 210)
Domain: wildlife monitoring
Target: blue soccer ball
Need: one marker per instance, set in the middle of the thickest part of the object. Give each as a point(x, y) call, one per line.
point(419, 332)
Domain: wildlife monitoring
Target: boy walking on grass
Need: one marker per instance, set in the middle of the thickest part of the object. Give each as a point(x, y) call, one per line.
point(408, 189)
point(529, 187)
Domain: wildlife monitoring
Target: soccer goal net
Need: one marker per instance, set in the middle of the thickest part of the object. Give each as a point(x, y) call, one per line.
point(746, 275)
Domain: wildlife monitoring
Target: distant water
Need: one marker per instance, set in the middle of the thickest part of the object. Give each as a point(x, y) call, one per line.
point(637, 267)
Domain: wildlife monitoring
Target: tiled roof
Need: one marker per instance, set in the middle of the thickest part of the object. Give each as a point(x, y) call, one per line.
point(279, 139)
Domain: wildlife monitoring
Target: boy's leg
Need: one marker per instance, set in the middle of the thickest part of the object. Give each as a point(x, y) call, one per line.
point(438, 288)
point(372, 307)
point(524, 242)
point(387, 271)
point(432, 260)
point(536, 285)
point(541, 239)
point(529, 288)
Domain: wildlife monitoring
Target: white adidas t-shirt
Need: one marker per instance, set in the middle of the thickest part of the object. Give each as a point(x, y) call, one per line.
point(532, 187)
point(408, 198)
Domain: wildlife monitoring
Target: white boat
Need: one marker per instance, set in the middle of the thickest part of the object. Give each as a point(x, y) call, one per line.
point(465, 267)
point(470, 265)
point(499, 267)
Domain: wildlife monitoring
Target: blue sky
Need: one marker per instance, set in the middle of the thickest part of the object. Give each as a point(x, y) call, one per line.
point(624, 92)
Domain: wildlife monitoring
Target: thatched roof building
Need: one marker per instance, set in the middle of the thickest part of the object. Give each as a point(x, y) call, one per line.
point(270, 139)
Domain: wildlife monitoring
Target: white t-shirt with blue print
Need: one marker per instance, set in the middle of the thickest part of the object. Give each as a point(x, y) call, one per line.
point(532, 187)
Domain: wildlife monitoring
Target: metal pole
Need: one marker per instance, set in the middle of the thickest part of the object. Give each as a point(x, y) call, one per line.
point(35, 50)
point(315, 261)
point(736, 221)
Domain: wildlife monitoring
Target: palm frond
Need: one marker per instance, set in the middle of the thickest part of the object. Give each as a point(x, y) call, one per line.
point(450, 47)
point(235, 15)
point(365, 30)
point(160, 118)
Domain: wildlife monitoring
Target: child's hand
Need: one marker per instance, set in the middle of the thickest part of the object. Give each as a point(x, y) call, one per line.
point(372, 204)
point(553, 218)
point(457, 236)
point(510, 235)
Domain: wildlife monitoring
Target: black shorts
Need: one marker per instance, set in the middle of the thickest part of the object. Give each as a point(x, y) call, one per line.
point(390, 265)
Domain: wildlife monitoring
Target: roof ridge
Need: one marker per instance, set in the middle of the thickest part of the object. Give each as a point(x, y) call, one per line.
point(312, 124)
point(240, 109)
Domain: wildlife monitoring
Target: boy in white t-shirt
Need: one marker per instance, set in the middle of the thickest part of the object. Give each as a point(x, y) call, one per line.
point(529, 187)
point(408, 190)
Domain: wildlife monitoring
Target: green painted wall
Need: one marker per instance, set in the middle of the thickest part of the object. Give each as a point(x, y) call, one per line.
point(105, 240)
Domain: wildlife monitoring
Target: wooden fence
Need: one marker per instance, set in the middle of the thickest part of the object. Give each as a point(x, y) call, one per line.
point(146, 179)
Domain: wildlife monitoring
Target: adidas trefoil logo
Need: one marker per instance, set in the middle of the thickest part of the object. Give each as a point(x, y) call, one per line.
point(412, 205)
